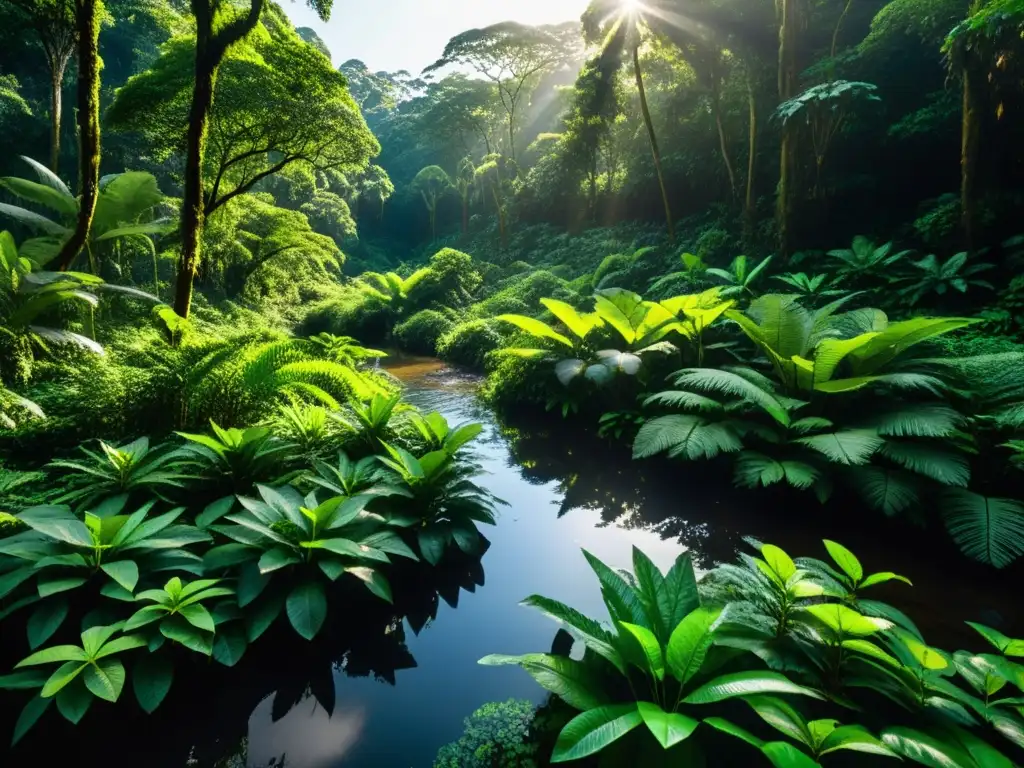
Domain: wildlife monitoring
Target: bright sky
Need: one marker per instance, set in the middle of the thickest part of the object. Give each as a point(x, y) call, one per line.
point(410, 34)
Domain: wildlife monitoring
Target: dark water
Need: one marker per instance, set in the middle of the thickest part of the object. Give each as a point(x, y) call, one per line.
point(386, 691)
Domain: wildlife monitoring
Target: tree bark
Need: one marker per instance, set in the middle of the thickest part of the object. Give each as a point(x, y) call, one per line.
point(210, 51)
point(654, 142)
point(969, 148)
point(56, 110)
point(716, 107)
point(787, 86)
point(87, 26)
point(748, 205)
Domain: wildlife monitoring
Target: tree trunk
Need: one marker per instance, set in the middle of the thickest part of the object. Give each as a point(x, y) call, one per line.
point(787, 86)
point(210, 51)
point(748, 206)
point(193, 216)
point(87, 27)
point(465, 215)
point(654, 142)
point(56, 110)
point(969, 146)
point(716, 107)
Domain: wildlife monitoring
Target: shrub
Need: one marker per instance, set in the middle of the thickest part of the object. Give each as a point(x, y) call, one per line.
point(519, 295)
point(517, 381)
point(496, 736)
point(352, 314)
point(469, 343)
point(420, 333)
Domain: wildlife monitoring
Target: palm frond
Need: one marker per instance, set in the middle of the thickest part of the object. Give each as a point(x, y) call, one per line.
point(986, 529)
point(940, 465)
point(754, 469)
point(692, 437)
point(888, 490)
point(917, 420)
point(687, 401)
point(852, 447)
point(730, 383)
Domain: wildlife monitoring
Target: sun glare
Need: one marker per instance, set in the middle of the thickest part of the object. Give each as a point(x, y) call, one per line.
point(632, 6)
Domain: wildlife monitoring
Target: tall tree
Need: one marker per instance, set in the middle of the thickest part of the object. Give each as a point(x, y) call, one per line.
point(219, 26)
point(432, 183)
point(54, 24)
point(465, 174)
point(622, 27)
point(513, 56)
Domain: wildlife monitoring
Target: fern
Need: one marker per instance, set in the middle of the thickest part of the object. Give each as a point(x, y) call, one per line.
point(692, 437)
point(918, 420)
point(887, 490)
point(852, 447)
point(755, 469)
point(986, 529)
point(730, 383)
point(687, 401)
point(939, 465)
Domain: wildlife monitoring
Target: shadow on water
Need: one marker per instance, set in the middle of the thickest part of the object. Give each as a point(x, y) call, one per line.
point(387, 686)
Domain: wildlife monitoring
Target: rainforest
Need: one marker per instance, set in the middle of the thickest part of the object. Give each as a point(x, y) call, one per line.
point(479, 385)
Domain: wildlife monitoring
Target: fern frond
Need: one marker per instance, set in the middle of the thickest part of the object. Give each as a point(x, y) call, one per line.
point(986, 529)
point(692, 437)
point(917, 420)
point(730, 383)
point(887, 490)
point(755, 469)
point(851, 447)
point(940, 465)
point(687, 401)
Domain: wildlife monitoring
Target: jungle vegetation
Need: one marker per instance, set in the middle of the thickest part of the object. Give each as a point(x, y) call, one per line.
point(777, 240)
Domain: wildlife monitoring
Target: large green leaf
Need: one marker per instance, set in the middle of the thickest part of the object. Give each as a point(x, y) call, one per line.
point(124, 572)
point(851, 447)
point(846, 560)
point(567, 678)
point(725, 726)
point(57, 523)
point(692, 437)
point(689, 643)
point(595, 637)
point(925, 749)
point(623, 602)
point(783, 755)
point(846, 621)
point(731, 383)
point(669, 728)
point(179, 630)
point(229, 645)
point(578, 324)
point(374, 581)
point(680, 596)
point(105, 678)
point(782, 717)
point(45, 620)
point(986, 529)
point(899, 337)
point(535, 327)
point(151, 680)
point(854, 738)
point(744, 684)
point(73, 701)
point(753, 469)
point(943, 466)
point(42, 194)
point(650, 647)
point(307, 608)
point(1005, 644)
point(594, 730)
point(29, 717)
point(63, 676)
point(888, 490)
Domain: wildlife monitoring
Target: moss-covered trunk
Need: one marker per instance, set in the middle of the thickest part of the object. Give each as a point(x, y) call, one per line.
point(788, 30)
point(749, 201)
point(655, 152)
point(970, 144)
point(87, 27)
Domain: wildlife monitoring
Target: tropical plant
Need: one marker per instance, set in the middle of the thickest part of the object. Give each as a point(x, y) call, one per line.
point(374, 420)
point(444, 503)
point(740, 276)
point(391, 288)
point(661, 642)
point(236, 458)
point(352, 478)
point(124, 200)
point(61, 552)
point(345, 349)
point(179, 614)
point(693, 270)
point(941, 278)
point(121, 470)
point(92, 670)
point(439, 436)
point(308, 428)
point(282, 533)
point(863, 260)
point(14, 408)
point(818, 286)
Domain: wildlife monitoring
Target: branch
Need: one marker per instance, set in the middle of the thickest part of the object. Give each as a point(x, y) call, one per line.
point(241, 189)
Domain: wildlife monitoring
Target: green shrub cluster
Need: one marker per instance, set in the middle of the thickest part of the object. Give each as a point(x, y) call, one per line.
point(469, 343)
point(497, 735)
point(421, 332)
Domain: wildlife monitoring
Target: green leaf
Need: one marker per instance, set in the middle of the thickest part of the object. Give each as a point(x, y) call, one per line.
point(782, 717)
point(855, 738)
point(151, 680)
point(215, 511)
point(924, 748)
point(595, 637)
point(56, 653)
point(198, 617)
point(176, 628)
point(73, 702)
point(783, 755)
point(535, 328)
point(374, 581)
point(745, 684)
point(690, 436)
point(229, 645)
point(145, 616)
point(49, 585)
point(29, 717)
point(688, 646)
point(986, 529)
point(570, 680)
point(622, 600)
point(732, 383)
point(105, 678)
point(680, 597)
point(846, 621)
point(651, 648)
point(846, 560)
point(45, 620)
point(723, 725)
point(780, 562)
point(850, 447)
point(1005, 645)
point(61, 677)
point(940, 465)
point(669, 728)
point(26, 679)
point(881, 578)
point(124, 572)
point(307, 608)
point(432, 544)
point(594, 730)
